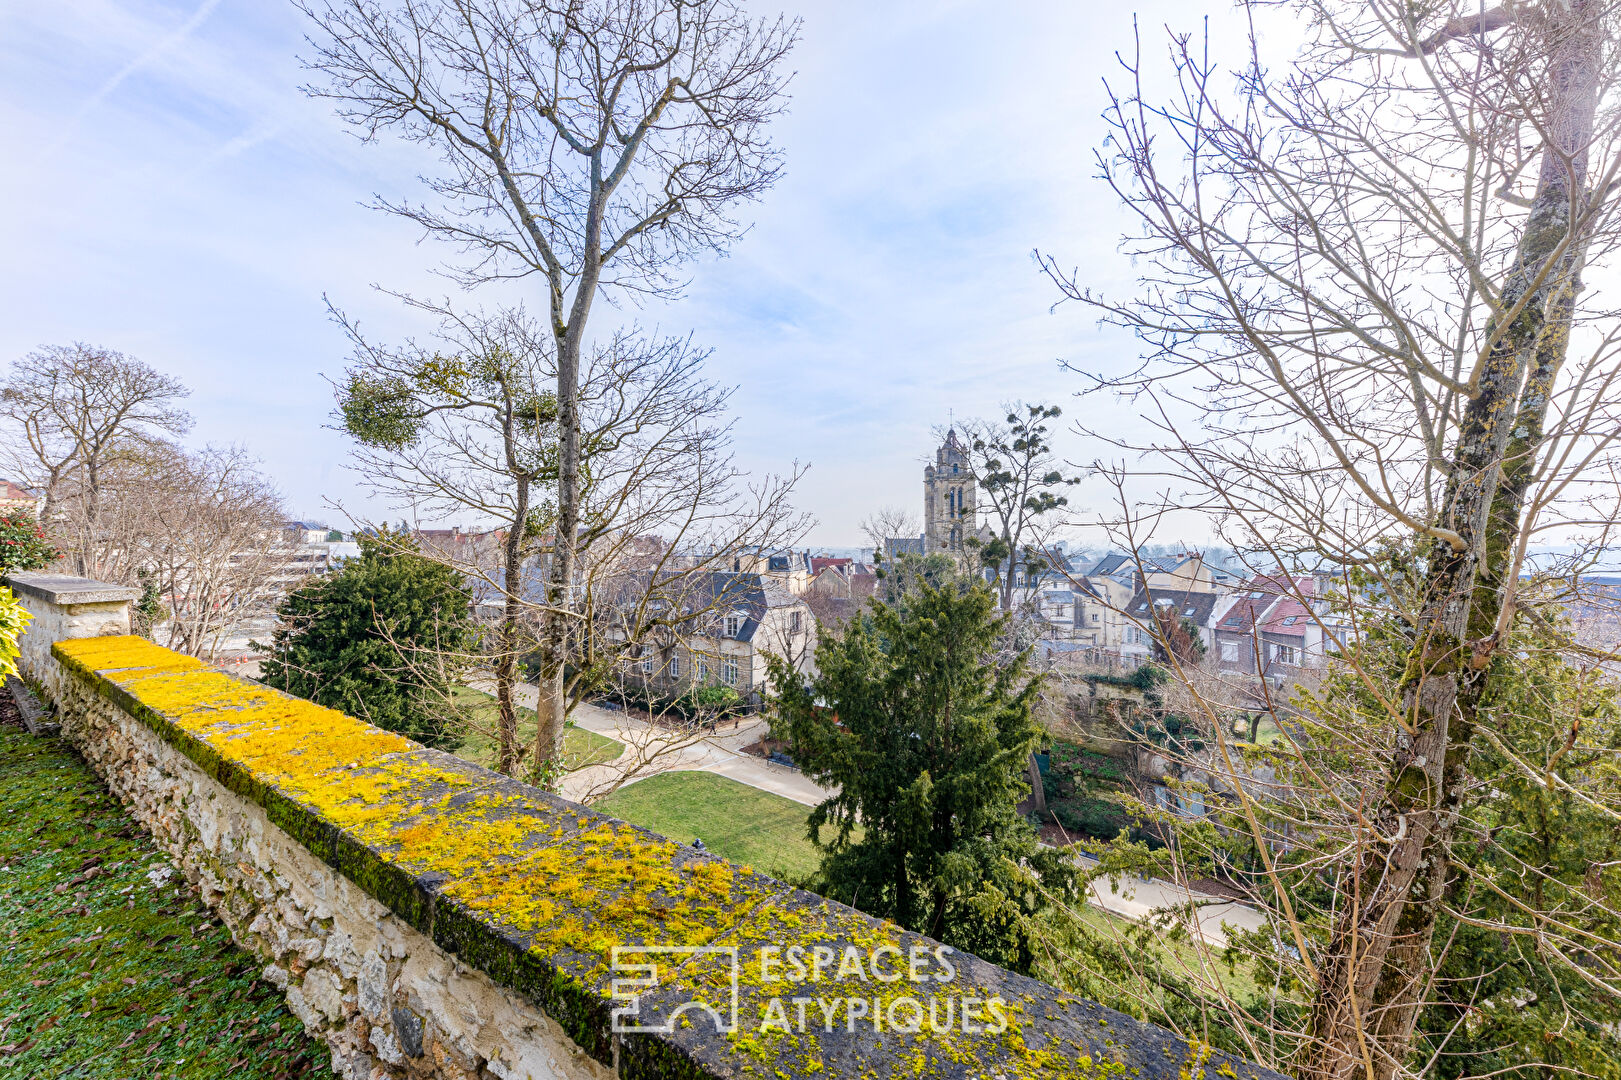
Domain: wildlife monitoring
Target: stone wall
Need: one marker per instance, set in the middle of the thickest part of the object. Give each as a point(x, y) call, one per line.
point(65, 607)
point(386, 1000)
point(428, 918)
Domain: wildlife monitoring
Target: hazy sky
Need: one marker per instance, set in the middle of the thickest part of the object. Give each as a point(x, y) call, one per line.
point(169, 193)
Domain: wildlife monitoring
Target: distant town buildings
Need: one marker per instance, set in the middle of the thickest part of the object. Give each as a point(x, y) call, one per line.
point(1114, 610)
point(735, 620)
point(309, 548)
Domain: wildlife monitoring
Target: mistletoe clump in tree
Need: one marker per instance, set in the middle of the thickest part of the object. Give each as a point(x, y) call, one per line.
point(1017, 469)
point(384, 639)
point(924, 726)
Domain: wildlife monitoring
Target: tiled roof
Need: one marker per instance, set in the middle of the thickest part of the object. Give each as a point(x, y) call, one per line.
point(1189, 605)
point(1258, 595)
point(1109, 565)
point(713, 594)
point(1289, 618)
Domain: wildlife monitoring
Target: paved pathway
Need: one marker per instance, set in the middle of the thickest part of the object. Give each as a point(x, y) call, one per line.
point(1136, 898)
point(719, 752)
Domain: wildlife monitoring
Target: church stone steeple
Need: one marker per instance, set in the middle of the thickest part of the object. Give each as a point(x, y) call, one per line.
point(948, 498)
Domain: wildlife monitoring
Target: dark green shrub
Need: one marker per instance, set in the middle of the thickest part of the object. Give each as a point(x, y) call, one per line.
point(23, 545)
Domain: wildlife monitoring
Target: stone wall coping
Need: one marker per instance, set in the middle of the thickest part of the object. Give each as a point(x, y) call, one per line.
point(66, 591)
point(543, 895)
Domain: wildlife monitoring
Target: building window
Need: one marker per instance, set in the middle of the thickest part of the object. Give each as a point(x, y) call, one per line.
point(1229, 651)
point(1283, 654)
point(734, 625)
point(700, 670)
point(647, 663)
point(794, 622)
point(675, 665)
point(728, 671)
point(1094, 618)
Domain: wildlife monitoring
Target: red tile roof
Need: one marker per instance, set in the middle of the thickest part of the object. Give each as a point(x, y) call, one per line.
point(1257, 596)
point(1289, 618)
point(11, 493)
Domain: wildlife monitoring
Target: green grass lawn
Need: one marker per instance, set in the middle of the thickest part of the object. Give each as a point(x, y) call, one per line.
point(112, 968)
point(743, 824)
point(580, 747)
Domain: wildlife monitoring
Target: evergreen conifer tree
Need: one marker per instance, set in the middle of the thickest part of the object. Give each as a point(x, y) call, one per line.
point(924, 724)
point(384, 639)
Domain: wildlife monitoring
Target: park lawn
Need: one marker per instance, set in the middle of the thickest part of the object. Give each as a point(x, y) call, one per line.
point(580, 747)
point(743, 824)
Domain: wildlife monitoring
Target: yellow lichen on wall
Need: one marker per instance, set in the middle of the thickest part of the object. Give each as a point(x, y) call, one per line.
point(573, 881)
point(106, 654)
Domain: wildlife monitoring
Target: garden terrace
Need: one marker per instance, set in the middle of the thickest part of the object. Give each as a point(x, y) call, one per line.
point(427, 917)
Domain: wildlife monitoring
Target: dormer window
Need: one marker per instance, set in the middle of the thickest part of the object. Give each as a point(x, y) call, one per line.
point(734, 625)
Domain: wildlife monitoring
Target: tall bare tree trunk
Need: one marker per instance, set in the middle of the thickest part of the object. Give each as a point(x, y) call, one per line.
point(1372, 982)
point(506, 661)
point(92, 518)
point(552, 710)
point(552, 713)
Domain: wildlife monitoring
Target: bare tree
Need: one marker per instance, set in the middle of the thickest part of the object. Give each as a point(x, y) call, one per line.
point(1365, 269)
point(469, 430)
point(201, 529)
point(466, 424)
point(595, 145)
point(213, 546)
point(74, 410)
point(1013, 463)
point(889, 523)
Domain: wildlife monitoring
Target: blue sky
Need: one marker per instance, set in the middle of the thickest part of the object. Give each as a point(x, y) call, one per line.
point(171, 194)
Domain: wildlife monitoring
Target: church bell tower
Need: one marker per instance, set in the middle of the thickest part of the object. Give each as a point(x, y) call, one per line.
point(948, 499)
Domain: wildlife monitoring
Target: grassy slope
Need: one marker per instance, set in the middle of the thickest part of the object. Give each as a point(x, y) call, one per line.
point(105, 973)
point(580, 747)
point(1197, 960)
point(741, 823)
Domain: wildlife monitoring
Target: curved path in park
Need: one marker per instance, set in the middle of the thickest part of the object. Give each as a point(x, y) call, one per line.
point(722, 753)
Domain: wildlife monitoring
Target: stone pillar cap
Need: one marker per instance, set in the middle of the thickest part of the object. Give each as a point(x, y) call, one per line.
point(64, 590)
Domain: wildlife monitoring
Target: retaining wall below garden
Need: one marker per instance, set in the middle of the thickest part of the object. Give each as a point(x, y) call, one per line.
point(429, 918)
